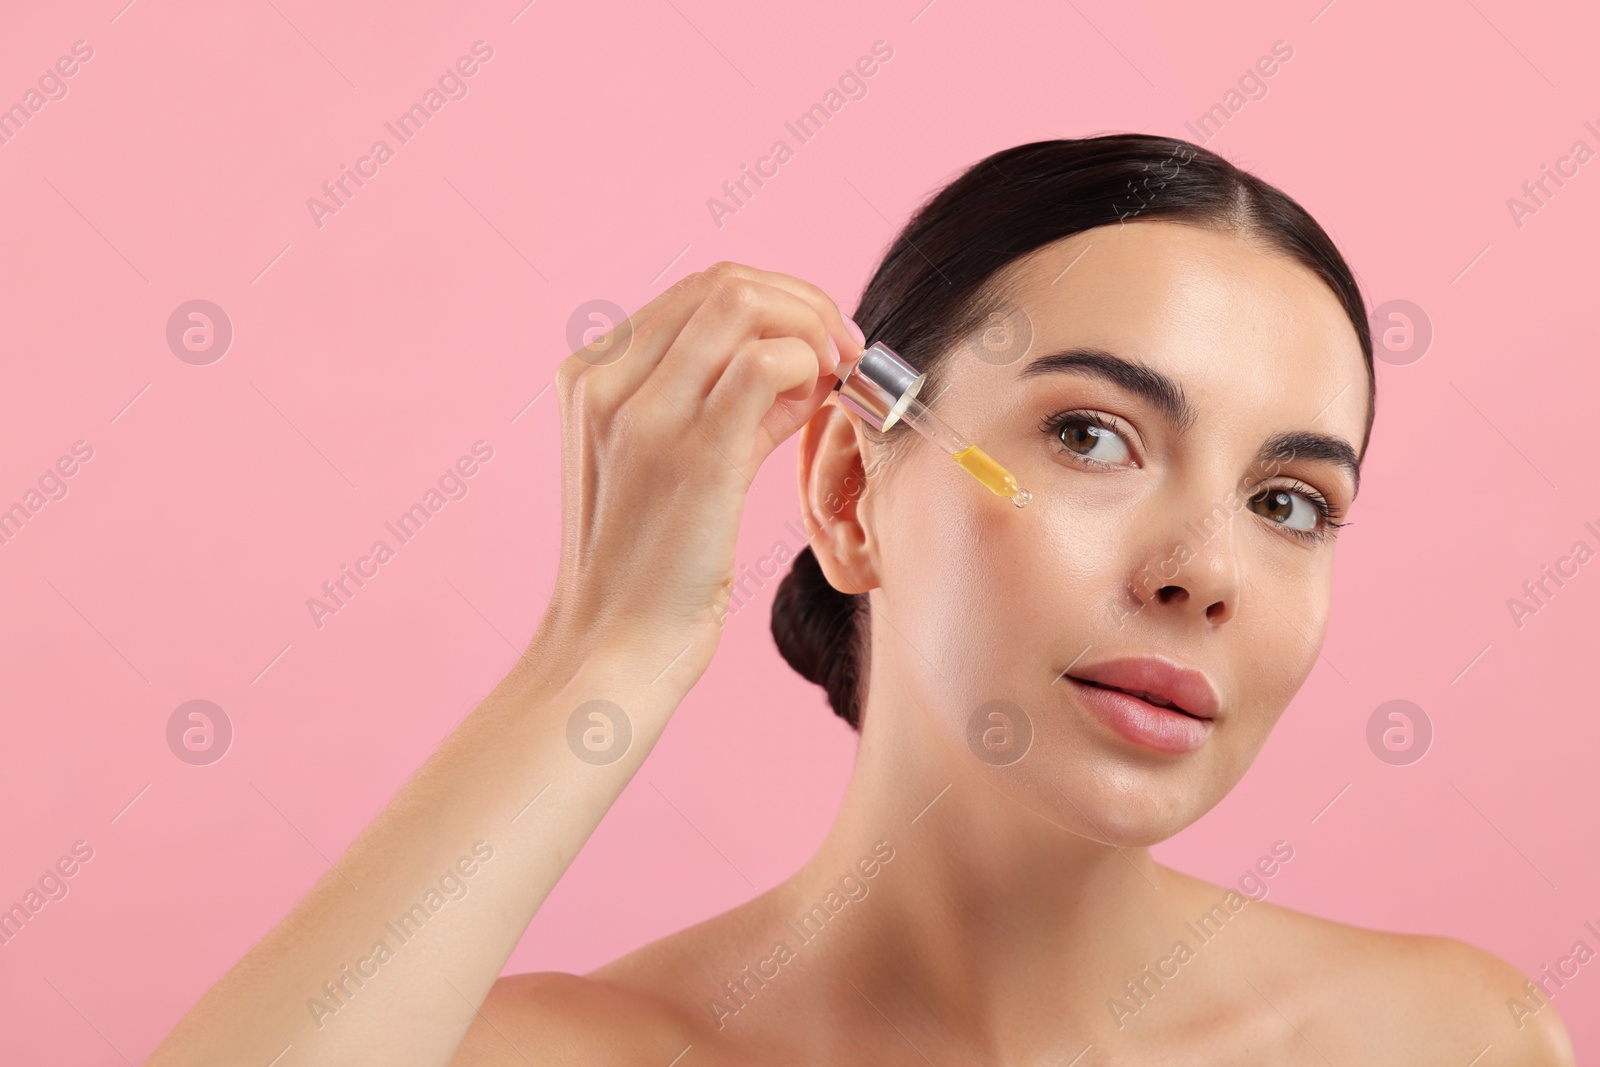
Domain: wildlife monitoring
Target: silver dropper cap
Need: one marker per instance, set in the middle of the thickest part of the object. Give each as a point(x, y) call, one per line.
point(880, 386)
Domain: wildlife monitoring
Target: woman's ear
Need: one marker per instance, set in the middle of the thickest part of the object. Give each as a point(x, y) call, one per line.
point(833, 482)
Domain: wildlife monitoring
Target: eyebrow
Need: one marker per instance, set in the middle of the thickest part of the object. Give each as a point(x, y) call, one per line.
point(1166, 396)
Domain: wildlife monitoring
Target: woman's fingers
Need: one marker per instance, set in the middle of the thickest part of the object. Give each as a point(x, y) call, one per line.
point(736, 311)
point(767, 391)
point(615, 365)
point(832, 318)
point(648, 335)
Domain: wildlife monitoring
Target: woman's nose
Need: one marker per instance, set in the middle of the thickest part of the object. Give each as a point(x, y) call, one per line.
point(1196, 573)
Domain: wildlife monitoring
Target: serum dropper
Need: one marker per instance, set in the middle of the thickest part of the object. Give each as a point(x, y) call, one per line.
point(883, 388)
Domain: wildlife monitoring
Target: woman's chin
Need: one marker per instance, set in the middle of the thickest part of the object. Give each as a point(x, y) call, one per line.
point(1111, 811)
point(1082, 778)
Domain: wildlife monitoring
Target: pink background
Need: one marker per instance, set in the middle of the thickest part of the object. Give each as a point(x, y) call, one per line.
point(370, 353)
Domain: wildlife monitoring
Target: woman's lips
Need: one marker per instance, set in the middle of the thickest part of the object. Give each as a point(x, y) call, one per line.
point(1143, 723)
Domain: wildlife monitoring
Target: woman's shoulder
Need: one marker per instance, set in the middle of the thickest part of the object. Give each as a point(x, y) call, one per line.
point(1398, 997)
point(549, 1018)
point(1349, 993)
point(637, 1009)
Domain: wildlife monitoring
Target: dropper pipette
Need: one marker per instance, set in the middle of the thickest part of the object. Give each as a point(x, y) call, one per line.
point(883, 387)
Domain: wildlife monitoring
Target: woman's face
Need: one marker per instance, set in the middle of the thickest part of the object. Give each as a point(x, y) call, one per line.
point(1184, 401)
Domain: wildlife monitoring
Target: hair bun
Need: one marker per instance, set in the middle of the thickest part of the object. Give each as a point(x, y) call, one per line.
point(816, 628)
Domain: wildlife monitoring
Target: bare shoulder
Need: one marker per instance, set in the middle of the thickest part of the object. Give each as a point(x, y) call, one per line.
point(1410, 998)
point(550, 1019)
point(1479, 992)
point(638, 1009)
point(1446, 996)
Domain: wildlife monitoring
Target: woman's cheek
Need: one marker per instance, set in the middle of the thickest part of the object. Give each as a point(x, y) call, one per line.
point(993, 596)
point(938, 565)
point(1075, 552)
point(1275, 647)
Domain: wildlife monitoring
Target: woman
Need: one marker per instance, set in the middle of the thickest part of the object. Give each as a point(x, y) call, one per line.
point(1174, 359)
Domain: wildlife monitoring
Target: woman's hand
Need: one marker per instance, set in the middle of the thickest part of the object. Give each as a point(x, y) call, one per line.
point(665, 421)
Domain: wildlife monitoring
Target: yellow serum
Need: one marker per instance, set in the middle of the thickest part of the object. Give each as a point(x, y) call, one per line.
point(1000, 481)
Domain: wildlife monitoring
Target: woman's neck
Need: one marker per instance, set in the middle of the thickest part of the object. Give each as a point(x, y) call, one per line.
point(987, 914)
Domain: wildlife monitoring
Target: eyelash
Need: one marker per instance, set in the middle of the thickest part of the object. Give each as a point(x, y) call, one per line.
point(1328, 514)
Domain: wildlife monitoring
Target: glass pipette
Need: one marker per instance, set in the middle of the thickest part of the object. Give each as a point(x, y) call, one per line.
point(883, 387)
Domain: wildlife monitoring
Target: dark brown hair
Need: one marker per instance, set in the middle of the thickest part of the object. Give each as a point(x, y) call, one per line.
point(940, 279)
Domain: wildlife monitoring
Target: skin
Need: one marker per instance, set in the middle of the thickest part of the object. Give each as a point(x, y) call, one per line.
point(1007, 918)
point(993, 911)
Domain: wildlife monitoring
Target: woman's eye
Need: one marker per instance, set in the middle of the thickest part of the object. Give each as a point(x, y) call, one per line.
point(1287, 508)
point(1092, 439)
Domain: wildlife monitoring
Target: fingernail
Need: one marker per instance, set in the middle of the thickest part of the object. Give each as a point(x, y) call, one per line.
point(855, 331)
point(833, 346)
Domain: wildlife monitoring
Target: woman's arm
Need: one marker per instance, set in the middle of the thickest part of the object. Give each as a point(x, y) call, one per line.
point(363, 970)
point(388, 957)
